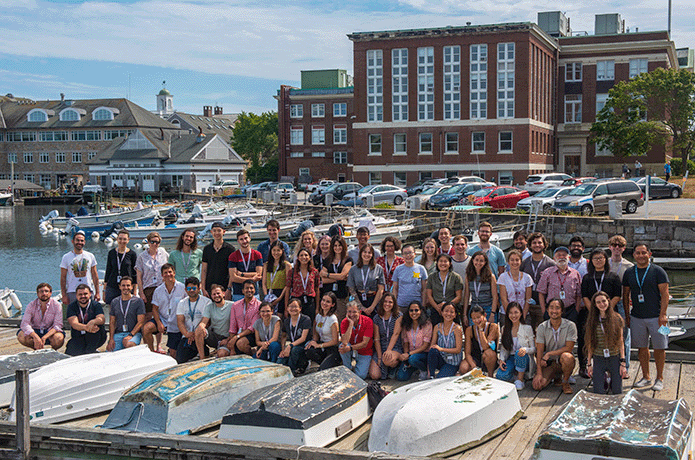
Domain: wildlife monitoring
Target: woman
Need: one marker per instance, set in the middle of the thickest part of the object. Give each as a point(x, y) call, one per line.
point(267, 330)
point(416, 333)
point(604, 345)
point(297, 327)
point(323, 250)
point(334, 274)
point(366, 280)
point(517, 347)
point(323, 348)
point(445, 355)
point(274, 278)
point(387, 346)
point(306, 241)
point(480, 288)
point(303, 281)
point(444, 286)
point(515, 285)
point(120, 262)
point(389, 260)
point(481, 343)
point(186, 258)
point(149, 272)
point(428, 257)
point(357, 332)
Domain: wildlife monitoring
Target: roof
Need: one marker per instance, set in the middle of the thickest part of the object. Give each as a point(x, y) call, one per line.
point(164, 92)
point(222, 125)
point(19, 185)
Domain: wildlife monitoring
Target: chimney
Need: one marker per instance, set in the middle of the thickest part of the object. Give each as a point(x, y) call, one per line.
point(207, 110)
point(218, 110)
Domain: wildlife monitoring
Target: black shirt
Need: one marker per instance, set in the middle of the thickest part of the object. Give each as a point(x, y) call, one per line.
point(295, 332)
point(127, 262)
point(84, 316)
point(611, 284)
point(218, 265)
point(651, 307)
point(339, 287)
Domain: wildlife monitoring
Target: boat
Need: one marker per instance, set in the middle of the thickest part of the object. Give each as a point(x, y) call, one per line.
point(681, 320)
point(10, 305)
point(443, 416)
point(141, 214)
point(5, 199)
point(192, 396)
point(30, 360)
point(625, 426)
point(144, 218)
point(88, 384)
point(313, 410)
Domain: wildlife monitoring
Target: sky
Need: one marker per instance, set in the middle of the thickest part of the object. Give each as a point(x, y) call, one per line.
point(236, 54)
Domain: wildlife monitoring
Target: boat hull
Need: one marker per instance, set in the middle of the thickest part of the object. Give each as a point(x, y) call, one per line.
point(105, 220)
point(31, 360)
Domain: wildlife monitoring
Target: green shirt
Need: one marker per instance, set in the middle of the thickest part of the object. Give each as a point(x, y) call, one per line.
point(186, 264)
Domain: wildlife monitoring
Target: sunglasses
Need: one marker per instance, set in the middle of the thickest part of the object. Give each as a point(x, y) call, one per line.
point(618, 245)
point(155, 242)
point(191, 288)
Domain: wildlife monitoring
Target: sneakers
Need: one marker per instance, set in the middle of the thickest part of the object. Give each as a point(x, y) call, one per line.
point(658, 385)
point(572, 381)
point(519, 385)
point(644, 383)
point(566, 388)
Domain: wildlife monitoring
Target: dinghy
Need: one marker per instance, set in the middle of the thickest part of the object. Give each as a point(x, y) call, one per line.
point(443, 416)
point(88, 384)
point(192, 396)
point(31, 360)
point(314, 410)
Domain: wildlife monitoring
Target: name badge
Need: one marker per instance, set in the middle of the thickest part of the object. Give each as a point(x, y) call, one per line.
point(364, 296)
point(125, 329)
point(335, 286)
point(562, 295)
point(640, 298)
point(606, 353)
point(118, 279)
point(306, 299)
point(83, 332)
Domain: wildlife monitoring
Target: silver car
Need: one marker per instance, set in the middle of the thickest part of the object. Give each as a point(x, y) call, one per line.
point(537, 182)
point(547, 197)
point(428, 193)
point(381, 193)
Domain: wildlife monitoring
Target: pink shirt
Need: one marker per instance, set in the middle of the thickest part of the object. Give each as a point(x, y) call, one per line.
point(552, 283)
point(418, 335)
point(33, 319)
point(238, 321)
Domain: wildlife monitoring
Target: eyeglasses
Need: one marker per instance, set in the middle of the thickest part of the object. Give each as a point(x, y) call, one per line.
point(155, 242)
point(192, 288)
point(616, 245)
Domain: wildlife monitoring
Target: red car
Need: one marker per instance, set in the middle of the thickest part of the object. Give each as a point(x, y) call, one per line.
point(502, 197)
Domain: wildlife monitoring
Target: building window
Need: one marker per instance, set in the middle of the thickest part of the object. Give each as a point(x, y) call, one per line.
point(296, 110)
point(21, 136)
point(37, 115)
point(375, 178)
point(505, 80)
point(12, 157)
point(115, 133)
point(318, 110)
point(304, 172)
point(29, 177)
point(375, 144)
point(505, 142)
point(60, 157)
point(573, 71)
point(339, 134)
point(375, 85)
point(478, 77)
point(28, 157)
point(400, 146)
point(45, 180)
point(339, 158)
point(424, 175)
point(452, 82)
point(425, 143)
point(296, 154)
point(478, 142)
point(601, 99)
point(85, 135)
point(318, 154)
point(506, 178)
point(399, 84)
point(425, 83)
point(296, 136)
point(400, 179)
point(102, 114)
point(91, 155)
point(51, 136)
point(44, 157)
point(318, 135)
point(77, 157)
point(573, 108)
point(452, 142)
point(637, 67)
point(605, 70)
point(69, 115)
point(340, 109)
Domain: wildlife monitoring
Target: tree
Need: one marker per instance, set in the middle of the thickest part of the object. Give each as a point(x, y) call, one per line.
point(255, 138)
point(667, 96)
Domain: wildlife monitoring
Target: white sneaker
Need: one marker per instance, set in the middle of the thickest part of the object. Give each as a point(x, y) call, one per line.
point(644, 383)
point(658, 385)
point(519, 384)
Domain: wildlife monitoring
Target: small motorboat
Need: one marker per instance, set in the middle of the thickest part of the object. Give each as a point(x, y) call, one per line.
point(88, 384)
point(141, 214)
point(443, 416)
point(31, 360)
point(314, 410)
point(625, 426)
point(10, 305)
point(192, 396)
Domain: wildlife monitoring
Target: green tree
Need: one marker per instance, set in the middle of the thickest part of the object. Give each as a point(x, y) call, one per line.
point(255, 138)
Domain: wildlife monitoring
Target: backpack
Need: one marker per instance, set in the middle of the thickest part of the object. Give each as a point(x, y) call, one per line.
point(375, 393)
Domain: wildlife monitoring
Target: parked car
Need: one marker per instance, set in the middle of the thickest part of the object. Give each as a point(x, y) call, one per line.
point(419, 186)
point(465, 180)
point(547, 197)
point(574, 181)
point(659, 187)
point(537, 182)
point(382, 193)
point(455, 194)
point(593, 197)
point(428, 193)
point(338, 190)
point(224, 186)
point(284, 188)
point(257, 189)
point(320, 185)
point(502, 197)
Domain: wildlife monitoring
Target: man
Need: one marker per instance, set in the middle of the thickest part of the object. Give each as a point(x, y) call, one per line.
point(187, 256)
point(127, 316)
point(667, 170)
point(213, 329)
point(409, 280)
point(244, 313)
point(646, 285)
point(78, 267)
point(535, 266)
point(86, 320)
point(638, 168)
point(362, 239)
point(619, 266)
point(460, 259)
point(215, 266)
point(273, 229)
point(244, 264)
point(189, 313)
point(444, 238)
point(577, 261)
point(42, 322)
point(494, 254)
point(555, 340)
point(521, 244)
point(165, 301)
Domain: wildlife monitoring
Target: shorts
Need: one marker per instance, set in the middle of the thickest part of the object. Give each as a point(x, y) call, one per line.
point(42, 332)
point(173, 339)
point(119, 336)
point(643, 328)
point(213, 339)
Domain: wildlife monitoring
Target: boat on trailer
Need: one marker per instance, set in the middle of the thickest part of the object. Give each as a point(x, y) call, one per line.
point(88, 384)
point(620, 427)
point(192, 396)
point(30, 360)
point(443, 416)
point(313, 410)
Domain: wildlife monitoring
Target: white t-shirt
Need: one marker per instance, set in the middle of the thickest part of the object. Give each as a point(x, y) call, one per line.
point(192, 311)
point(168, 303)
point(79, 267)
point(516, 290)
point(323, 327)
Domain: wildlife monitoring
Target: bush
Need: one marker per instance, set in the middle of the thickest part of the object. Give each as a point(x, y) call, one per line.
point(677, 166)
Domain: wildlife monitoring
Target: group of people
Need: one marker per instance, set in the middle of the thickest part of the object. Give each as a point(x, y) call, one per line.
point(382, 312)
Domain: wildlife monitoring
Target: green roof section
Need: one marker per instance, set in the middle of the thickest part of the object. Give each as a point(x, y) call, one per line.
point(325, 79)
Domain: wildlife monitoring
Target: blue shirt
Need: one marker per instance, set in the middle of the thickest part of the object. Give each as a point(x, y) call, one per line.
point(410, 281)
point(264, 249)
point(495, 255)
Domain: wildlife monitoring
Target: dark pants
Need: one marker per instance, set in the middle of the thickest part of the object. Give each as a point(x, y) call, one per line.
point(296, 360)
point(612, 365)
point(83, 344)
point(435, 362)
point(434, 316)
point(186, 351)
point(579, 319)
point(271, 353)
point(110, 293)
point(324, 357)
point(308, 306)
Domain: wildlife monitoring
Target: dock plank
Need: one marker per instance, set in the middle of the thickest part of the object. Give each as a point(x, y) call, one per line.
point(672, 373)
point(686, 387)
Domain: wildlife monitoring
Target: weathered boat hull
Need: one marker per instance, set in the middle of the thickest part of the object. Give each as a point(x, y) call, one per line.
point(443, 416)
point(192, 396)
point(31, 360)
point(314, 410)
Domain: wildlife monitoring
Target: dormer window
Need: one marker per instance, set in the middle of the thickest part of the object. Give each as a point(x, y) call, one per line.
point(104, 113)
point(69, 115)
point(37, 115)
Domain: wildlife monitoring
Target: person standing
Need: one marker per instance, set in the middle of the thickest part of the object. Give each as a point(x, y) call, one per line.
point(186, 257)
point(366, 280)
point(604, 345)
point(215, 261)
point(521, 244)
point(42, 321)
point(127, 317)
point(120, 262)
point(619, 266)
point(303, 282)
point(362, 236)
point(165, 301)
point(667, 170)
point(494, 254)
point(638, 168)
point(244, 263)
point(409, 280)
point(389, 261)
point(480, 288)
point(444, 237)
point(189, 313)
point(577, 260)
point(428, 258)
point(443, 287)
point(646, 284)
point(274, 279)
point(78, 267)
point(515, 285)
point(460, 259)
point(273, 229)
point(149, 270)
point(555, 339)
point(334, 274)
point(535, 266)
point(86, 320)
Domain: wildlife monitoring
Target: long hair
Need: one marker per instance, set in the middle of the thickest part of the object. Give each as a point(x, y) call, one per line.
point(407, 322)
point(394, 311)
point(271, 259)
point(424, 258)
point(507, 340)
point(485, 273)
point(612, 325)
point(298, 265)
point(300, 243)
point(334, 301)
point(343, 244)
point(179, 243)
point(372, 261)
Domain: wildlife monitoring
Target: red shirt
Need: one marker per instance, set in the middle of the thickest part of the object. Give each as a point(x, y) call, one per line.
point(297, 283)
point(364, 328)
point(388, 273)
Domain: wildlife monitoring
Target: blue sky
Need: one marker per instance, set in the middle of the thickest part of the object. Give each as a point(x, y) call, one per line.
point(235, 53)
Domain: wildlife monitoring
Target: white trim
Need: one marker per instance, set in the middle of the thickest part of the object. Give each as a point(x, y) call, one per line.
point(457, 166)
point(44, 111)
point(489, 122)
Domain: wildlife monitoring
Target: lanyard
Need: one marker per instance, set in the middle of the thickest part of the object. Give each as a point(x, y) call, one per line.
point(272, 276)
point(83, 314)
point(265, 331)
point(185, 262)
point(556, 335)
point(293, 332)
point(169, 296)
point(600, 322)
point(517, 287)
point(599, 285)
point(476, 288)
point(244, 261)
point(534, 269)
point(305, 281)
point(119, 260)
point(444, 282)
point(562, 281)
point(387, 326)
point(364, 279)
point(191, 312)
point(413, 337)
point(641, 283)
point(125, 313)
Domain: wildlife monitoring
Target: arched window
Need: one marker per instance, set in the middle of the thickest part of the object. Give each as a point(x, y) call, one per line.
point(69, 115)
point(35, 115)
point(102, 114)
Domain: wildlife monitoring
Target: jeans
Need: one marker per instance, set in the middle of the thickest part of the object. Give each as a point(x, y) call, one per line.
point(324, 357)
point(361, 367)
point(626, 335)
point(418, 361)
point(435, 361)
point(612, 365)
point(515, 364)
point(119, 336)
point(296, 360)
point(271, 353)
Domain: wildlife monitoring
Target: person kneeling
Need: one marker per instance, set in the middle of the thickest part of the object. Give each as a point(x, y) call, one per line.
point(445, 355)
point(517, 347)
point(213, 329)
point(481, 343)
point(357, 332)
point(126, 318)
point(555, 339)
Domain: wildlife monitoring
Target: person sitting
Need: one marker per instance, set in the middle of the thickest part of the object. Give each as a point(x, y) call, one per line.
point(416, 333)
point(42, 322)
point(86, 320)
point(297, 327)
point(189, 313)
point(517, 347)
point(165, 301)
point(244, 313)
point(213, 329)
point(267, 330)
point(388, 347)
point(357, 332)
point(555, 339)
point(481, 343)
point(604, 345)
point(323, 348)
point(127, 316)
point(445, 354)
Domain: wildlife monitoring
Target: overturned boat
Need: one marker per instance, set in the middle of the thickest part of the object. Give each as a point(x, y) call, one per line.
point(314, 410)
point(443, 416)
point(192, 396)
point(88, 384)
point(31, 360)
